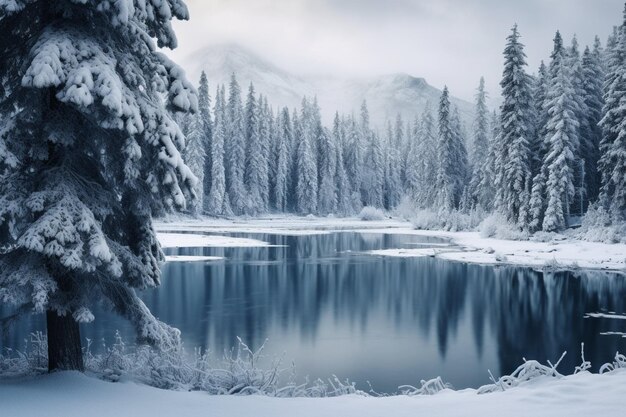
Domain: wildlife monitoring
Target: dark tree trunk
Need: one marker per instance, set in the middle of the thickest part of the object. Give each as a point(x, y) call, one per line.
point(64, 347)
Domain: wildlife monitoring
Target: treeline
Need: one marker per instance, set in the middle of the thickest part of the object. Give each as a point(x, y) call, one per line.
point(253, 160)
point(556, 146)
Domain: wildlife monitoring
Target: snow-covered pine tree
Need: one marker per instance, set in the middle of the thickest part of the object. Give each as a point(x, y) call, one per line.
point(613, 123)
point(235, 149)
point(462, 167)
point(254, 155)
point(448, 157)
point(354, 162)
point(561, 140)
point(342, 184)
point(373, 171)
point(283, 161)
point(393, 166)
point(574, 64)
point(591, 133)
point(513, 171)
point(90, 152)
point(217, 202)
point(413, 160)
point(479, 196)
point(204, 114)
point(265, 134)
point(488, 168)
point(327, 190)
point(292, 177)
point(197, 150)
point(537, 148)
point(307, 187)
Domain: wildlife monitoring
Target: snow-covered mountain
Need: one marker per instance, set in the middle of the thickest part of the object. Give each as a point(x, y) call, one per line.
point(386, 95)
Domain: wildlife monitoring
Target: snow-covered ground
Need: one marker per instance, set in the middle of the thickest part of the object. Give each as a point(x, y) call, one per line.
point(71, 394)
point(469, 247)
point(558, 253)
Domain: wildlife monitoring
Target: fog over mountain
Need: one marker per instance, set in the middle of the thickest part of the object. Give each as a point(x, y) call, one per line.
point(386, 95)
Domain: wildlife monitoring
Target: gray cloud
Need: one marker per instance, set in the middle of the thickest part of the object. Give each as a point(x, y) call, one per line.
point(451, 42)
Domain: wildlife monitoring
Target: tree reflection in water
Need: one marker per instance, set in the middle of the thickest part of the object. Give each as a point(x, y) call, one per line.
point(391, 321)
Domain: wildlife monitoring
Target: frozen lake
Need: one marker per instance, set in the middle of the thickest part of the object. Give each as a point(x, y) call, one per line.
point(332, 309)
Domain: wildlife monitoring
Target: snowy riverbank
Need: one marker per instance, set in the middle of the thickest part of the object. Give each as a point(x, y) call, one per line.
point(471, 247)
point(75, 395)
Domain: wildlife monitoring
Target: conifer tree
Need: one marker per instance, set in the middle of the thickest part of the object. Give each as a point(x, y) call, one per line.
point(282, 157)
point(88, 153)
point(373, 172)
point(561, 140)
point(537, 148)
point(217, 201)
point(206, 125)
point(254, 154)
point(447, 192)
point(307, 187)
point(327, 189)
point(613, 144)
point(235, 149)
point(479, 195)
point(513, 170)
point(393, 165)
point(354, 162)
point(591, 133)
point(342, 184)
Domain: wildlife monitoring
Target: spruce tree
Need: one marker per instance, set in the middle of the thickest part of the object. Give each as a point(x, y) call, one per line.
point(448, 195)
point(283, 162)
point(206, 126)
point(342, 183)
point(354, 162)
point(254, 154)
point(89, 152)
point(591, 133)
point(307, 186)
point(327, 189)
point(480, 196)
point(537, 147)
point(235, 149)
point(613, 123)
point(373, 172)
point(393, 165)
point(217, 202)
point(561, 141)
point(513, 170)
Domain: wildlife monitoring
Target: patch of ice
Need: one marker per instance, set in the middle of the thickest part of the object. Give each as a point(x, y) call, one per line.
point(193, 258)
point(188, 240)
point(605, 316)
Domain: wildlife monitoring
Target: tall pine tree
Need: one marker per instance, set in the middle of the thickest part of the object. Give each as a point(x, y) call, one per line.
point(513, 163)
point(89, 152)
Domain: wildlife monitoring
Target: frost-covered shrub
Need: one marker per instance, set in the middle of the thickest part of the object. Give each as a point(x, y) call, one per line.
point(371, 214)
point(432, 387)
point(599, 225)
point(406, 209)
point(545, 237)
point(453, 221)
point(496, 226)
point(241, 371)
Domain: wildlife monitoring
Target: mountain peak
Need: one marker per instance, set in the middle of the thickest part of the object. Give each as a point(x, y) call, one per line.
point(387, 95)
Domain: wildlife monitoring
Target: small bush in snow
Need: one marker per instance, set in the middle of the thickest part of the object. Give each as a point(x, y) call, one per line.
point(453, 221)
point(406, 209)
point(598, 225)
point(496, 226)
point(545, 237)
point(371, 214)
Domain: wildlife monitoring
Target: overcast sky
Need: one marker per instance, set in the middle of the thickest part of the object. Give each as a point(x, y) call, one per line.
point(450, 42)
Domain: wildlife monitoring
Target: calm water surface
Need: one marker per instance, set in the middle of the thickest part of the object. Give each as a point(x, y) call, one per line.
point(332, 309)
